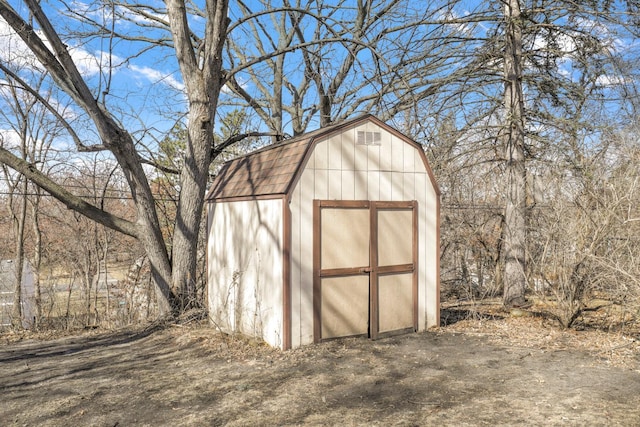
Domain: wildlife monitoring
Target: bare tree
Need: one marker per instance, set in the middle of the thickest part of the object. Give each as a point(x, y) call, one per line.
point(546, 77)
point(584, 244)
point(201, 68)
point(513, 135)
point(391, 57)
point(29, 132)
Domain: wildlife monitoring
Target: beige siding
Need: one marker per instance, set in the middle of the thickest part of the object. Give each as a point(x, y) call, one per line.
point(385, 152)
point(296, 268)
point(321, 183)
point(397, 186)
point(348, 151)
point(425, 265)
point(373, 185)
point(390, 171)
point(348, 185)
point(334, 184)
point(361, 160)
point(397, 154)
point(431, 251)
point(334, 147)
point(245, 253)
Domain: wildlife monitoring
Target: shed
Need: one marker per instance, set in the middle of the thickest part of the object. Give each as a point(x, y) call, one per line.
point(7, 290)
point(330, 234)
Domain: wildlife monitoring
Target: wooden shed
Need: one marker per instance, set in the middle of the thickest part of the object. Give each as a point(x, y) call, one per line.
point(330, 234)
point(7, 290)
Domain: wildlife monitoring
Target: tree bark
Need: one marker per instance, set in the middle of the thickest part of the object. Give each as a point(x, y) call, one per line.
point(37, 259)
point(513, 140)
point(20, 218)
point(55, 57)
point(203, 85)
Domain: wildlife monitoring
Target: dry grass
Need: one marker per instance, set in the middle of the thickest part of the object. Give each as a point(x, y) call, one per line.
point(609, 334)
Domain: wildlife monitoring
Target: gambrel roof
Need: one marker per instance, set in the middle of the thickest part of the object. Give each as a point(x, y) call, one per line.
point(271, 170)
point(267, 171)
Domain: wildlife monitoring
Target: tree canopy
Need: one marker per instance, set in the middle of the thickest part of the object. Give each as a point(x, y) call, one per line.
point(499, 89)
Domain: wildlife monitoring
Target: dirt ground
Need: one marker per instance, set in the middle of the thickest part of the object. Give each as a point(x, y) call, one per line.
point(482, 371)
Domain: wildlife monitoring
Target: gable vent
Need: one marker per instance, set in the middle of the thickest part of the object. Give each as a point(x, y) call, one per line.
point(369, 138)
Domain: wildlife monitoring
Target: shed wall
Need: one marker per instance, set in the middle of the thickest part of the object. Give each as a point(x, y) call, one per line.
point(340, 169)
point(27, 294)
point(245, 275)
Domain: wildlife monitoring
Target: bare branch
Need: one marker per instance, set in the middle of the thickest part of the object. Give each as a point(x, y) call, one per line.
point(76, 139)
point(67, 198)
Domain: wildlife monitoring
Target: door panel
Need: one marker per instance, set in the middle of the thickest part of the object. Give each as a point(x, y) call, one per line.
point(395, 234)
point(395, 296)
point(341, 262)
point(345, 306)
point(365, 275)
point(394, 273)
point(345, 238)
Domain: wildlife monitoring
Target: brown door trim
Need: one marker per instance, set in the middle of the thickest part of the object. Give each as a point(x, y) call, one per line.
point(378, 271)
point(286, 274)
point(374, 316)
point(416, 246)
point(317, 319)
point(373, 270)
point(318, 273)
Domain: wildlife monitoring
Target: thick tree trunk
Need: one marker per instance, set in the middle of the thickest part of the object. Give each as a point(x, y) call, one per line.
point(148, 225)
point(513, 137)
point(203, 80)
point(193, 182)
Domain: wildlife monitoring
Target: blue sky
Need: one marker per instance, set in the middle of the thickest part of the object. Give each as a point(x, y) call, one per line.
point(145, 88)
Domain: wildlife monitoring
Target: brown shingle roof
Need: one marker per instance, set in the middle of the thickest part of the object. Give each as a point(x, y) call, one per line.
point(270, 170)
point(265, 172)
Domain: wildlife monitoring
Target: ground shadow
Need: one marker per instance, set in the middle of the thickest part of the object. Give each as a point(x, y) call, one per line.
point(72, 345)
point(453, 315)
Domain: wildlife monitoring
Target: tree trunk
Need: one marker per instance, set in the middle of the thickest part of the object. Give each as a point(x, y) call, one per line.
point(193, 183)
point(37, 261)
point(148, 225)
point(203, 81)
point(513, 137)
point(19, 223)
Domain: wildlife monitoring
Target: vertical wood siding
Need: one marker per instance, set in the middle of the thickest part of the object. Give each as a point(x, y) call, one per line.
point(340, 169)
point(245, 253)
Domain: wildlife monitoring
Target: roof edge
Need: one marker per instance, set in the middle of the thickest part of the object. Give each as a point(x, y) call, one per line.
point(313, 137)
point(338, 127)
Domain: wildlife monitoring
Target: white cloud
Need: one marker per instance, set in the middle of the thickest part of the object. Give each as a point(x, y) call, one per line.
point(453, 18)
point(150, 18)
point(155, 76)
point(9, 138)
point(103, 14)
point(610, 80)
point(13, 50)
point(66, 111)
point(4, 89)
point(87, 63)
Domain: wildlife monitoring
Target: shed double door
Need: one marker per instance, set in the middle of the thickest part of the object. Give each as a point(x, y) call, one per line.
point(365, 268)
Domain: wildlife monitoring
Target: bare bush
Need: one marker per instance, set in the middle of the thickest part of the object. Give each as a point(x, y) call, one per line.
point(585, 244)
